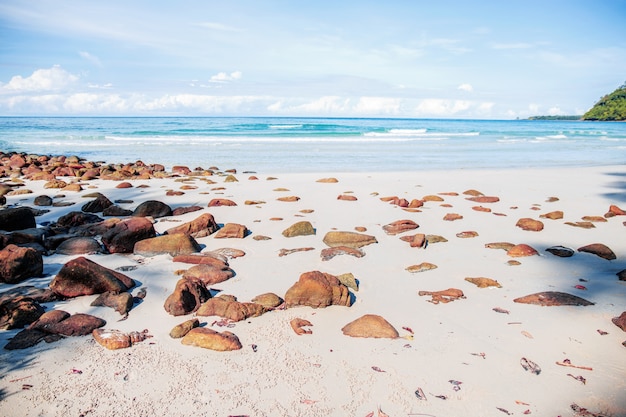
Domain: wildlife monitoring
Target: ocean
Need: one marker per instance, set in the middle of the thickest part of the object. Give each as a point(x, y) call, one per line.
point(277, 145)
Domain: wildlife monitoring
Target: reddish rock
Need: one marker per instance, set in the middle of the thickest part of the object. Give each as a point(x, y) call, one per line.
point(482, 282)
point(483, 199)
point(553, 215)
point(317, 289)
point(18, 312)
point(122, 237)
point(599, 249)
point(48, 318)
point(522, 250)
point(482, 209)
point(450, 217)
point(179, 211)
point(303, 228)
point(621, 275)
point(620, 321)
point(209, 274)
point(416, 241)
point(232, 230)
point(152, 208)
point(415, 203)
point(227, 306)
point(298, 325)
point(529, 224)
point(201, 258)
point(330, 253)
point(81, 245)
point(400, 226)
point(210, 339)
point(616, 211)
point(124, 184)
point(370, 325)
point(201, 226)
point(167, 244)
point(350, 239)
point(16, 219)
point(434, 198)
point(97, 205)
point(218, 202)
point(289, 199)
point(444, 296)
point(187, 297)
point(347, 197)
point(553, 298)
point(76, 325)
point(19, 263)
point(81, 276)
point(120, 302)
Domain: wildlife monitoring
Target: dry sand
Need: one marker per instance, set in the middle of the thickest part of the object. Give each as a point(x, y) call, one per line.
point(464, 356)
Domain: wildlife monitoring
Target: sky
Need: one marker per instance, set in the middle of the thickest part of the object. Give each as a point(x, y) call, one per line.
point(417, 59)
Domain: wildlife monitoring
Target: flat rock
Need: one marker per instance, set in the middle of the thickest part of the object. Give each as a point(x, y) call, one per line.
point(400, 226)
point(303, 228)
point(209, 274)
point(422, 267)
point(500, 245)
point(173, 245)
point(599, 249)
point(201, 226)
point(553, 215)
point(349, 281)
point(120, 302)
point(522, 250)
point(443, 296)
point(450, 217)
point(76, 325)
point(529, 224)
point(81, 245)
point(116, 211)
point(210, 339)
point(123, 236)
point(82, 276)
point(349, 239)
point(329, 253)
point(201, 258)
point(268, 300)
point(316, 289)
point(483, 199)
point(553, 298)
point(219, 202)
point(228, 307)
point(482, 282)
point(370, 326)
point(561, 251)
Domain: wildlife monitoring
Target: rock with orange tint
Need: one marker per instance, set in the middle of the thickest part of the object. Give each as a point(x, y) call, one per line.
point(482, 282)
point(400, 226)
point(328, 180)
point(210, 339)
point(297, 325)
point(187, 297)
point(444, 296)
point(529, 224)
point(616, 211)
point(316, 289)
point(481, 208)
point(370, 326)
point(450, 217)
point(467, 234)
point(415, 203)
point(350, 239)
point(424, 266)
point(346, 197)
point(201, 226)
point(416, 241)
point(553, 298)
point(330, 253)
point(472, 192)
point(521, 250)
point(289, 199)
point(553, 215)
point(232, 230)
point(483, 199)
point(599, 249)
point(432, 198)
point(218, 202)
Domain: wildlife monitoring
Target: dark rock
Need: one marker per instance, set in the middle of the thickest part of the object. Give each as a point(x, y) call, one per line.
point(76, 325)
point(317, 289)
point(168, 244)
point(123, 236)
point(77, 218)
point(187, 297)
point(620, 321)
point(43, 200)
point(48, 318)
point(81, 276)
point(599, 249)
point(201, 226)
point(19, 263)
point(622, 275)
point(152, 208)
point(16, 219)
point(561, 251)
point(28, 338)
point(116, 211)
point(97, 205)
point(370, 325)
point(120, 302)
point(553, 298)
point(19, 312)
point(31, 235)
point(79, 246)
point(40, 295)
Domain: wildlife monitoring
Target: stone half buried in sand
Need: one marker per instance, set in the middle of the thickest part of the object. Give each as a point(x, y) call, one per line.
point(529, 224)
point(400, 226)
point(115, 339)
point(522, 250)
point(349, 239)
point(553, 298)
point(121, 238)
point(303, 228)
point(227, 306)
point(482, 282)
point(317, 289)
point(82, 276)
point(599, 249)
point(370, 325)
point(173, 245)
point(210, 339)
point(620, 321)
point(201, 226)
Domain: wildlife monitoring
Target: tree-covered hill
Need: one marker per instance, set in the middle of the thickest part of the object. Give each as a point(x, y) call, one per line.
point(610, 107)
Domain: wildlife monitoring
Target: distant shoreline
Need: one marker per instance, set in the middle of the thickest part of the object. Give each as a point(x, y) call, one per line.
point(575, 118)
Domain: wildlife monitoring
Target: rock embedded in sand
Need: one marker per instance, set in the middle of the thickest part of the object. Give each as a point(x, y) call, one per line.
point(328, 180)
point(187, 297)
point(43, 201)
point(561, 251)
point(179, 211)
point(227, 307)
point(450, 217)
point(303, 228)
point(201, 226)
point(17, 219)
point(77, 218)
point(289, 199)
point(19, 312)
point(424, 266)
point(416, 241)
point(620, 321)
point(202, 258)
point(349, 239)
point(616, 211)
point(553, 298)
point(432, 239)
point(183, 328)
point(431, 197)
point(152, 208)
point(210, 339)
point(582, 225)
point(123, 236)
point(483, 199)
point(346, 197)
point(97, 205)
point(443, 296)
point(468, 234)
point(268, 300)
point(82, 276)
point(400, 226)
point(599, 249)
point(232, 231)
point(522, 250)
point(116, 211)
point(349, 281)
point(316, 289)
point(329, 253)
point(115, 339)
point(529, 224)
point(167, 244)
point(482, 282)
point(621, 275)
point(78, 324)
point(553, 215)
point(209, 274)
point(370, 326)
point(19, 263)
point(120, 302)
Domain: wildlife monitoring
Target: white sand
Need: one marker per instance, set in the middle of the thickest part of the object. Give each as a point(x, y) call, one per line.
point(327, 373)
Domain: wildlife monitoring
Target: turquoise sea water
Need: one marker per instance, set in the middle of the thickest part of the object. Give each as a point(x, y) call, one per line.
point(320, 144)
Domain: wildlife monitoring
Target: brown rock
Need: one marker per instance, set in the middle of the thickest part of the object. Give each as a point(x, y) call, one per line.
point(18, 312)
point(289, 199)
point(232, 230)
point(400, 226)
point(499, 245)
point(329, 253)
point(98, 205)
point(112, 339)
point(229, 308)
point(218, 202)
point(19, 263)
point(43, 201)
point(561, 251)
point(582, 225)
point(210, 339)
point(297, 325)
point(434, 198)
point(116, 211)
point(370, 325)
point(597, 219)
point(48, 318)
point(187, 297)
point(522, 250)
point(28, 338)
point(179, 211)
point(201, 258)
point(303, 228)
point(553, 215)
point(424, 266)
point(167, 244)
point(415, 203)
point(473, 192)
point(530, 224)
point(444, 296)
point(76, 325)
point(599, 249)
point(227, 253)
point(482, 282)
point(467, 234)
point(77, 218)
point(483, 199)
point(55, 184)
point(124, 184)
point(202, 226)
point(152, 208)
point(81, 276)
point(450, 217)
point(415, 241)
point(183, 328)
point(120, 302)
point(553, 298)
point(16, 219)
point(123, 236)
point(350, 239)
point(432, 239)
point(328, 180)
point(81, 245)
point(349, 281)
point(482, 209)
point(268, 300)
point(616, 211)
point(620, 321)
point(317, 289)
point(346, 197)
point(209, 274)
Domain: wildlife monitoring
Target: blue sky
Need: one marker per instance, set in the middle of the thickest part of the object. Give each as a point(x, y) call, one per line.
point(440, 59)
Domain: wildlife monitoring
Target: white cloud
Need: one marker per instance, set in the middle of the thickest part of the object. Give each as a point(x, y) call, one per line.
point(377, 106)
point(91, 58)
point(52, 79)
point(466, 87)
point(223, 77)
point(442, 107)
point(555, 111)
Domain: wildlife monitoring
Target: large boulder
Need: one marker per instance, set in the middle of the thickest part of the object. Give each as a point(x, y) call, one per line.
point(350, 239)
point(16, 219)
point(77, 218)
point(370, 325)
point(187, 297)
point(173, 245)
point(317, 289)
point(209, 274)
point(19, 263)
point(152, 208)
point(201, 226)
point(81, 276)
point(75, 325)
point(123, 236)
point(210, 339)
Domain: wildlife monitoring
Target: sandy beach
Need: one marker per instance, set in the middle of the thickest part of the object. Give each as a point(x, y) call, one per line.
point(479, 355)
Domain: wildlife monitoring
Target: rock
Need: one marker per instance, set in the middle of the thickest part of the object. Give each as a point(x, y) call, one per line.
point(424, 266)
point(201, 226)
point(228, 307)
point(18, 312)
point(124, 184)
point(616, 211)
point(232, 230)
point(484, 282)
point(123, 236)
point(120, 302)
point(529, 224)
point(468, 234)
point(622, 275)
point(483, 199)
point(450, 217)
point(620, 321)
point(187, 297)
point(226, 253)
point(444, 296)
point(19, 263)
point(204, 258)
point(522, 250)
point(400, 226)
point(431, 239)
point(48, 318)
point(152, 208)
point(79, 246)
point(76, 325)
point(349, 281)
point(346, 197)
point(219, 202)
point(582, 225)
point(81, 276)
point(316, 289)
point(209, 274)
point(431, 197)
point(179, 211)
point(599, 249)
point(289, 199)
point(297, 325)
point(416, 241)
point(500, 245)
point(173, 245)
point(553, 215)
point(116, 211)
point(303, 228)
point(330, 180)
point(98, 205)
point(210, 339)
point(28, 338)
point(349, 239)
point(43, 201)
point(268, 300)
point(330, 253)
point(370, 325)
point(561, 251)
point(553, 298)
point(115, 339)
point(16, 219)
point(40, 295)
point(183, 328)
point(77, 218)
